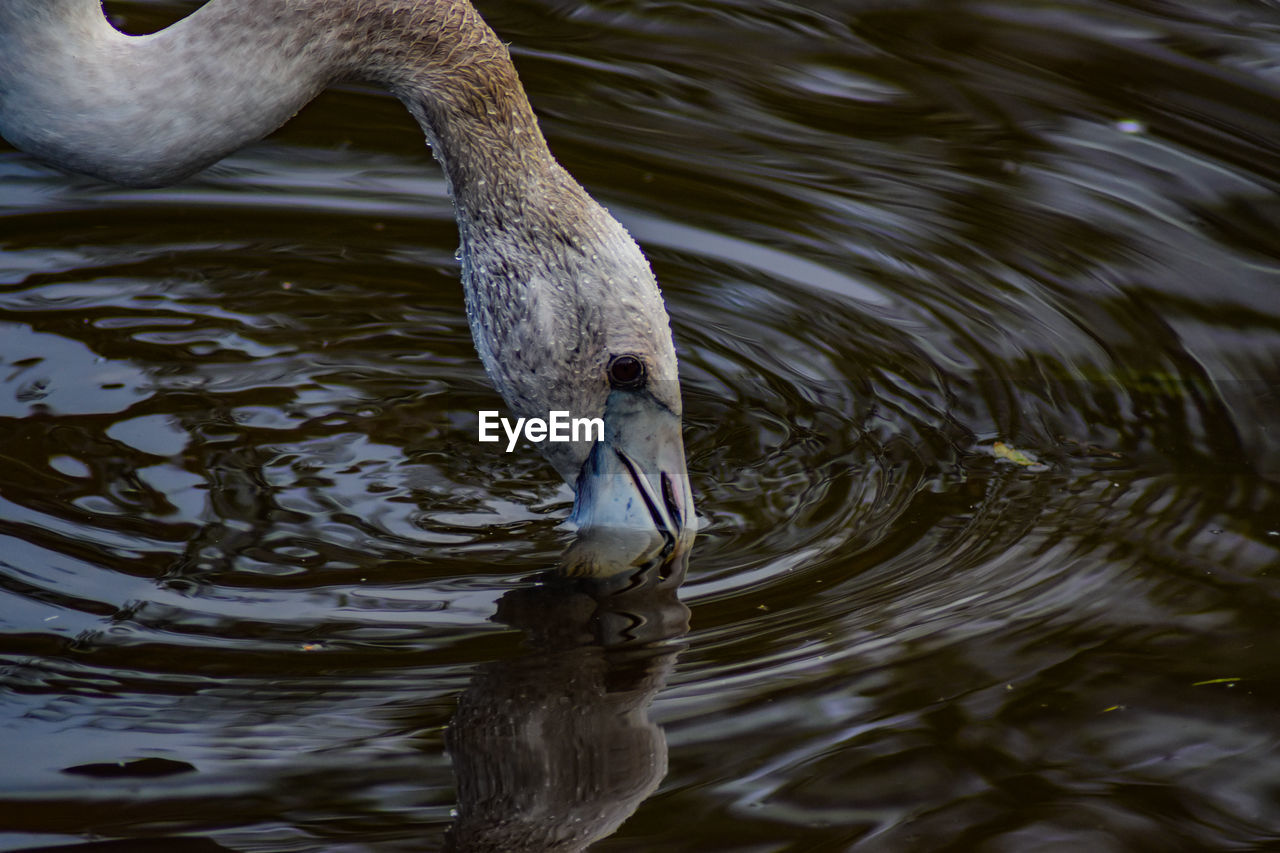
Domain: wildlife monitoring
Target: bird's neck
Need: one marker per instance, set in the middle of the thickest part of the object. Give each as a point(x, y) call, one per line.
point(149, 110)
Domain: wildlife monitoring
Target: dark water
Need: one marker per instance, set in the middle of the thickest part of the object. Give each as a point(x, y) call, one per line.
point(262, 590)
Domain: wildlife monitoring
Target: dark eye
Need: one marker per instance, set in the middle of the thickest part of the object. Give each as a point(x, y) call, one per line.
point(626, 371)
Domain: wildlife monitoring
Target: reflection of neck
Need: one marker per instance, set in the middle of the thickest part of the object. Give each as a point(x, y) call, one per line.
point(554, 749)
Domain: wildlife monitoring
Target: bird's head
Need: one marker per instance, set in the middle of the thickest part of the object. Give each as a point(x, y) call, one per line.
point(567, 316)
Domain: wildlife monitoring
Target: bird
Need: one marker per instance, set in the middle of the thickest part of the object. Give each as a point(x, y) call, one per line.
point(563, 306)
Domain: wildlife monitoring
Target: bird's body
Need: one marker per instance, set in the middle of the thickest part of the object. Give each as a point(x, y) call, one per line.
point(556, 290)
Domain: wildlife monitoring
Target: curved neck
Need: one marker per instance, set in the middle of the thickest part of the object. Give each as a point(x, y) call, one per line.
point(149, 110)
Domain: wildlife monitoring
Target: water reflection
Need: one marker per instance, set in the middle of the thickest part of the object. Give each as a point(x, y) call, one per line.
point(553, 749)
point(244, 524)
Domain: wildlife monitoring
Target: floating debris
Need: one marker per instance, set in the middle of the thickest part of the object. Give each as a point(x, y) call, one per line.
point(1009, 453)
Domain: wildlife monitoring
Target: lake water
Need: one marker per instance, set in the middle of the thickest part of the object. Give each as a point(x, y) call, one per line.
point(978, 308)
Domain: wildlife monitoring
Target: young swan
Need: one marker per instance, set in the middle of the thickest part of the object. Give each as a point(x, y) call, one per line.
point(564, 310)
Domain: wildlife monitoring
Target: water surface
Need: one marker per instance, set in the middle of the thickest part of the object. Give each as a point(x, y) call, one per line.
point(262, 590)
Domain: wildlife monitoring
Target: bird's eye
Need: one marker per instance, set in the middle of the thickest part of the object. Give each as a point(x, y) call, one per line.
point(626, 371)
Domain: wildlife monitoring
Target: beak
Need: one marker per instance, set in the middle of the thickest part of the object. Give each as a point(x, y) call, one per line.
point(634, 507)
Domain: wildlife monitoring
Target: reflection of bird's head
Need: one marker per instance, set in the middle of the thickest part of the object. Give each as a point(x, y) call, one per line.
point(553, 750)
point(616, 611)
